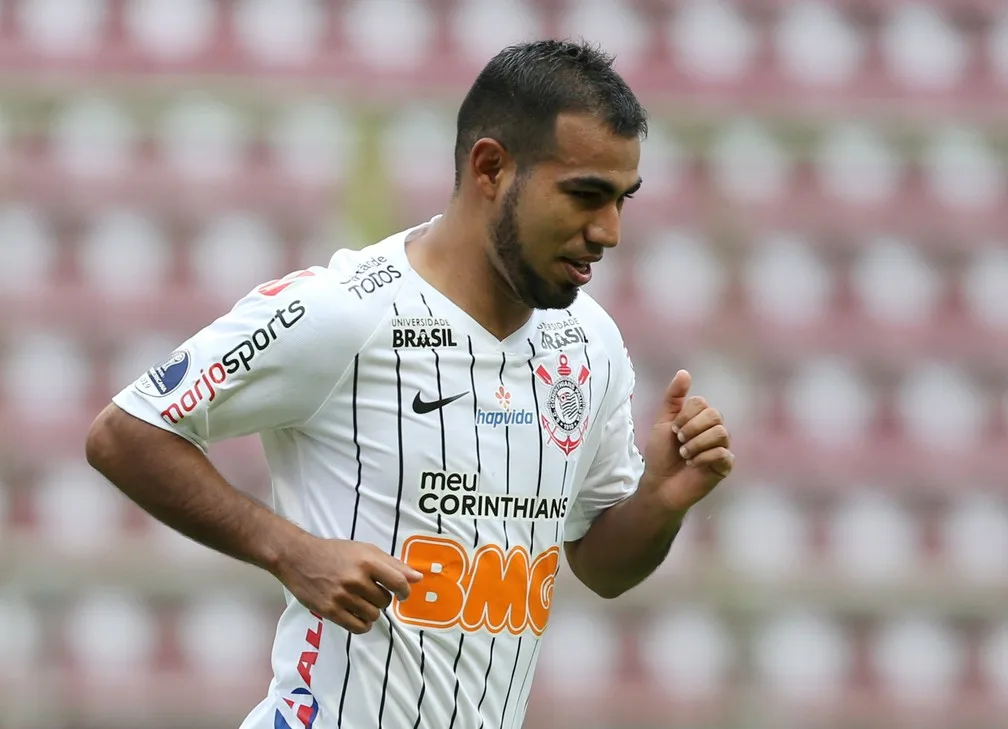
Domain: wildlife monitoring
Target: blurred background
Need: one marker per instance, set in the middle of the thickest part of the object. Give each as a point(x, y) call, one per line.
point(822, 239)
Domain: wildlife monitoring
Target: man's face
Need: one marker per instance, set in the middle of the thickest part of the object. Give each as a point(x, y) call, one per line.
point(557, 217)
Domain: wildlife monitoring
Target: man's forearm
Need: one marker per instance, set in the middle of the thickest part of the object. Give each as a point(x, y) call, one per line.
point(625, 544)
point(175, 483)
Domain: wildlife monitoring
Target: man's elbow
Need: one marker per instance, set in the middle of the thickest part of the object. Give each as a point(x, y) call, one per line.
point(603, 588)
point(100, 445)
point(608, 592)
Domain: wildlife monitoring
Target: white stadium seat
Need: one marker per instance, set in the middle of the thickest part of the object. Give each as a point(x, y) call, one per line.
point(658, 271)
point(662, 167)
point(975, 538)
point(787, 282)
point(30, 252)
point(828, 402)
point(110, 635)
point(615, 25)
point(762, 533)
point(93, 137)
point(313, 142)
point(711, 40)
point(280, 32)
point(802, 655)
point(688, 651)
point(921, 49)
point(171, 31)
point(390, 34)
point(817, 45)
point(985, 285)
point(919, 659)
point(579, 651)
point(125, 253)
point(962, 172)
point(749, 164)
point(204, 139)
point(871, 537)
point(479, 28)
point(856, 166)
point(79, 512)
point(45, 377)
point(418, 149)
point(937, 387)
point(234, 253)
point(895, 283)
point(219, 631)
point(63, 27)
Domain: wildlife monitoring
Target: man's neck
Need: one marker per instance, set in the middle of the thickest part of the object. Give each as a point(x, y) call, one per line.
point(451, 256)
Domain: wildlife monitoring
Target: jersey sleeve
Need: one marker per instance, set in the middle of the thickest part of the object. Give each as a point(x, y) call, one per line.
point(269, 363)
point(617, 468)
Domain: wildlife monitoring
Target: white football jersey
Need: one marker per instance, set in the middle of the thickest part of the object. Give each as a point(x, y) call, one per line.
point(388, 415)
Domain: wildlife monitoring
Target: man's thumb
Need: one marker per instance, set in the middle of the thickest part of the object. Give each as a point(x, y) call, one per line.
point(675, 395)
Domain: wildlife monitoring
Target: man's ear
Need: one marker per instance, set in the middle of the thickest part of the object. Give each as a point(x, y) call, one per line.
point(491, 167)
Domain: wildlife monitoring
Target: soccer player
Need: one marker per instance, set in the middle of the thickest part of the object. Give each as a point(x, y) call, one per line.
point(445, 418)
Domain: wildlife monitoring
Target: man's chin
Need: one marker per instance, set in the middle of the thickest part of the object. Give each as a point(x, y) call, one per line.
point(559, 298)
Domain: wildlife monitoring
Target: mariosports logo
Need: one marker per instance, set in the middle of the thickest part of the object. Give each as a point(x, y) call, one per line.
point(238, 358)
point(492, 590)
point(504, 415)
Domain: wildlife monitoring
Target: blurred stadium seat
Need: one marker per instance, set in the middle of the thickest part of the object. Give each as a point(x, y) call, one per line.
point(821, 239)
point(173, 32)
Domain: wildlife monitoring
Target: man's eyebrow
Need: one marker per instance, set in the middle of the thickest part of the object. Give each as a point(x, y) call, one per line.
point(600, 184)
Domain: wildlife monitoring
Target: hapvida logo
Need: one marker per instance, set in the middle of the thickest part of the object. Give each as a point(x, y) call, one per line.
point(505, 415)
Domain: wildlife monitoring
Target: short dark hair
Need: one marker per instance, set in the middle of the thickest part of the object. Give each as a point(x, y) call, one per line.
point(518, 95)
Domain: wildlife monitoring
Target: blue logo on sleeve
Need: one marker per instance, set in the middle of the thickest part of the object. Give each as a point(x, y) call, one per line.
point(166, 378)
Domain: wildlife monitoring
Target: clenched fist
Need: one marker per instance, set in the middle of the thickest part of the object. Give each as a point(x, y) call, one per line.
point(689, 449)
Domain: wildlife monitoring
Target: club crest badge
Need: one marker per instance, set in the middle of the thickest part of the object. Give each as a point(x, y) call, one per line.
point(566, 418)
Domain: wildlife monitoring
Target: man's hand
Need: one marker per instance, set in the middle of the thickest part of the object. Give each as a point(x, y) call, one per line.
point(689, 450)
point(349, 583)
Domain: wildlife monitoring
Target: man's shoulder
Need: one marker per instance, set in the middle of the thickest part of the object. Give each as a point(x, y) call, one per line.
point(340, 304)
point(369, 272)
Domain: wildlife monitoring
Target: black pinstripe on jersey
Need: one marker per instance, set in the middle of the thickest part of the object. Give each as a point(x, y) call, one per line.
point(353, 528)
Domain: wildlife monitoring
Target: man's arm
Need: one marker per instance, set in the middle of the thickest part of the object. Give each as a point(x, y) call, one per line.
point(222, 383)
point(687, 455)
point(172, 480)
point(625, 544)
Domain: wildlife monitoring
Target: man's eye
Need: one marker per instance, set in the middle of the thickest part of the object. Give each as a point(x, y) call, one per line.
point(584, 195)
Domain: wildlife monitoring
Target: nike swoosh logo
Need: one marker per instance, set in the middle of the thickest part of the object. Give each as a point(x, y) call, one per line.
point(421, 408)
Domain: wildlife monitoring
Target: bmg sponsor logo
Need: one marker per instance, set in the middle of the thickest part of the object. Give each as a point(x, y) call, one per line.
point(489, 590)
point(505, 414)
point(370, 276)
point(239, 358)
